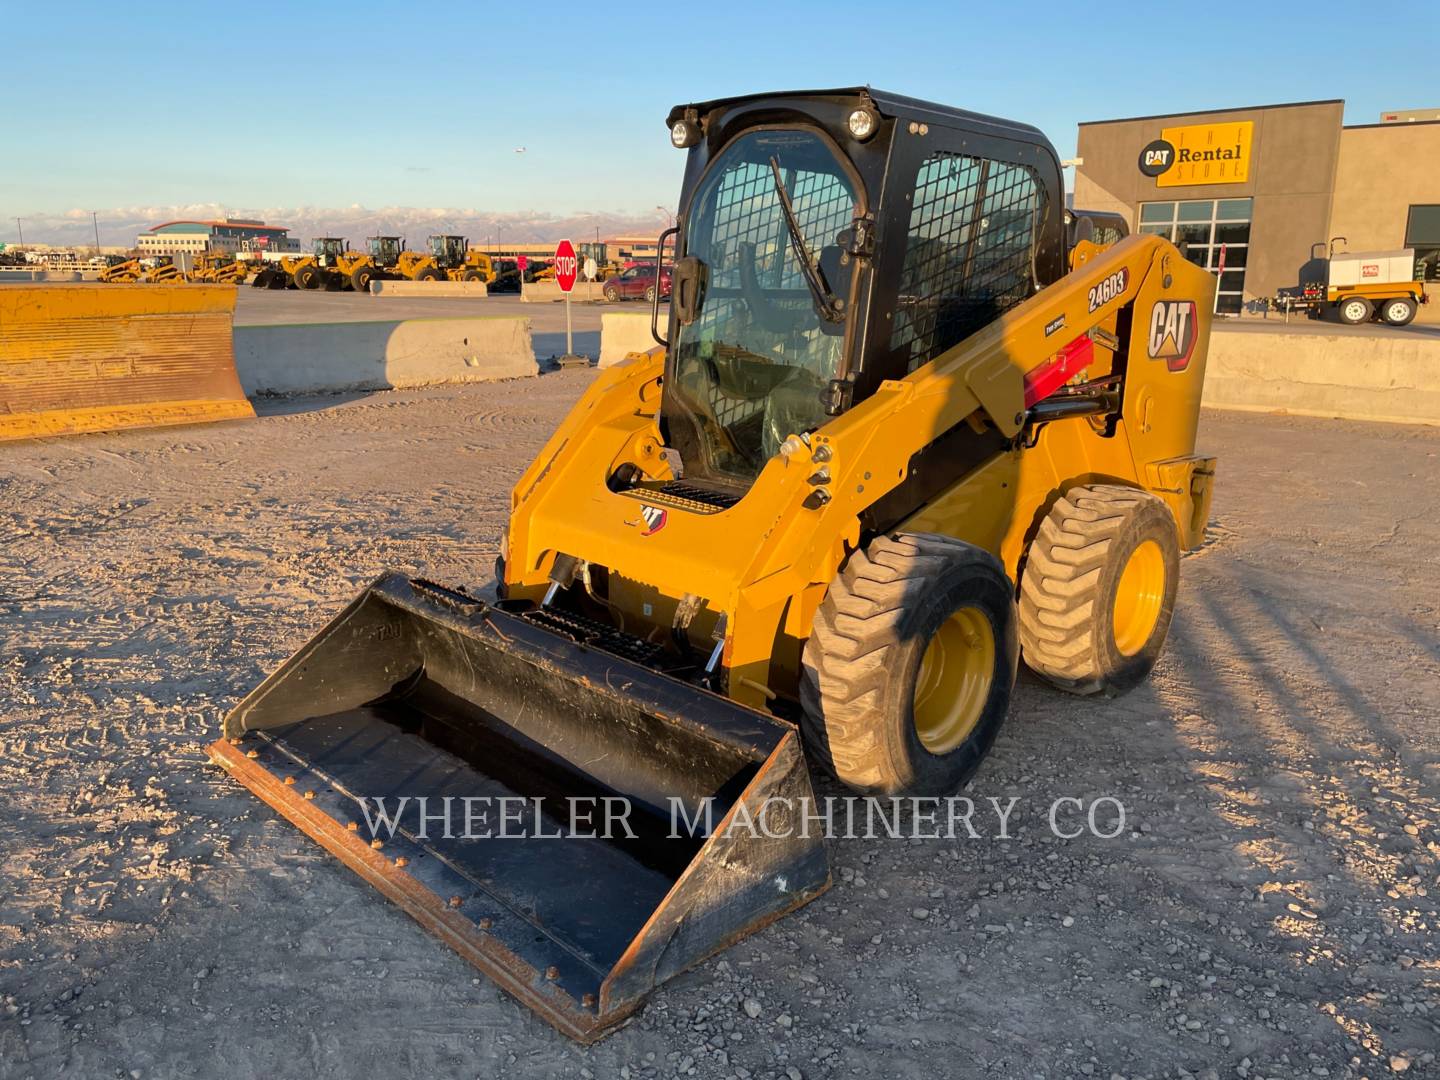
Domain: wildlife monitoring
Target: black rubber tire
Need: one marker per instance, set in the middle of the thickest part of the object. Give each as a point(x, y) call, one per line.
point(860, 664)
point(612, 294)
point(1348, 308)
point(262, 279)
point(1399, 311)
point(650, 294)
point(360, 279)
point(307, 277)
point(430, 273)
point(332, 281)
point(472, 275)
point(1071, 574)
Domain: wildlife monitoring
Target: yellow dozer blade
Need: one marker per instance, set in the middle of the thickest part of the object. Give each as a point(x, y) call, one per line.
point(579, 826)
point(92, 357)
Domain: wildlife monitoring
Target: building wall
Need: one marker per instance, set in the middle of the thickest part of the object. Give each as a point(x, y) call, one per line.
point(1384, 170)
point(1293, 160)
point(173, 243)
point(228, 239)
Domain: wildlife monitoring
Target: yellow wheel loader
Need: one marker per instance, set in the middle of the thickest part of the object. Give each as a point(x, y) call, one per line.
point(477, 266)
point(420, 265)
point(335, 267)
point(287, 272)
point(900, 434)
point(458, 261)
point(391, 259)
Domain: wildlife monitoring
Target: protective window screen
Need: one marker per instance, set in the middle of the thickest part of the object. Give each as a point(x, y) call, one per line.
point(751, 368)
point(746, 231)
point(968, 256)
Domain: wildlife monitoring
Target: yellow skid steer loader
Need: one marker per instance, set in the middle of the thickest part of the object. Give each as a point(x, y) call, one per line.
point(901, 433)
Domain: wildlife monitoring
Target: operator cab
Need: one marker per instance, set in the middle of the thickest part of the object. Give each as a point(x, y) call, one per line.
point(829, 240)
point(385, 250)
point(448, 251)
point(328, 249)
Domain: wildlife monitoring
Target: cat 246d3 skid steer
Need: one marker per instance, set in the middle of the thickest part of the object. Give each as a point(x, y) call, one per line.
point(905, 430)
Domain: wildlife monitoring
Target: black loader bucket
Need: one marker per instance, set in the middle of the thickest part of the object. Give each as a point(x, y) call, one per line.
point(578, 826)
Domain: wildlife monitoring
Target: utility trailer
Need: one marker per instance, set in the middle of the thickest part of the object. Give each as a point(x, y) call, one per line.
point(1362, 286)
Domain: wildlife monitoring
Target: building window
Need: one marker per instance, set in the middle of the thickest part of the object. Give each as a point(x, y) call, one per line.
point(967, 256)
point(1422, 232)
point(1213, 233)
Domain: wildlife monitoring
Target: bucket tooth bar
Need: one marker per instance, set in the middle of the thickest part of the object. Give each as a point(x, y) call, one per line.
point(417, 684)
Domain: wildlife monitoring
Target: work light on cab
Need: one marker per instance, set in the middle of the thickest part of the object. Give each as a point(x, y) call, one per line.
point(684, 134)
point(862, 123)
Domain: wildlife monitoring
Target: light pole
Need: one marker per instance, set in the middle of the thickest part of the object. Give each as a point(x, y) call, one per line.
point(669, 216)
point(95, 221)
point(21, 230)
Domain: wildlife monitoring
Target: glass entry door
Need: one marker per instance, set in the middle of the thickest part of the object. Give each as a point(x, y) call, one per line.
point(1213, 233)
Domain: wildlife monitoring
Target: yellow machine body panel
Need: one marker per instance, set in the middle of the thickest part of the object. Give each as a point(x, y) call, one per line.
point(78, 358)
point(767, 561)
point(1389, 290)
point(412, 263)
point(120, 273)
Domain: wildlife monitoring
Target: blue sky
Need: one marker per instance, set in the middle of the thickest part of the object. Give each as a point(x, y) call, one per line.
point(314, 104)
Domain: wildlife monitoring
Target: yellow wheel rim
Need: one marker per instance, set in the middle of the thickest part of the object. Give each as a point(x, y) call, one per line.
point(954, 680)
point(1139, 597)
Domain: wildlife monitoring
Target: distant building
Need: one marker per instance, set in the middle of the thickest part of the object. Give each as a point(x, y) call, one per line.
point(1256, 195)
point(227, 237)
point(1410, 116)
point(627, 249)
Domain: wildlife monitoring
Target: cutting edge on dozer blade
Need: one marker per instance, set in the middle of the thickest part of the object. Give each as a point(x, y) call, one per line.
point(580, 931)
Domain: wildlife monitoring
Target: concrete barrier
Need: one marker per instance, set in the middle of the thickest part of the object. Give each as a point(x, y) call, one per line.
point(548, 292)
point(622, 333)
point(12, 274)
point(1388, 377)
point(429, 288)
point(327, 357)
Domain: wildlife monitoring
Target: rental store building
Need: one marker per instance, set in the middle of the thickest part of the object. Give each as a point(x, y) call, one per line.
point(1256, 195)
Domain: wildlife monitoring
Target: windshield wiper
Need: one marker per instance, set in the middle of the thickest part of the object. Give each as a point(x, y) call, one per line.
point(827, 304)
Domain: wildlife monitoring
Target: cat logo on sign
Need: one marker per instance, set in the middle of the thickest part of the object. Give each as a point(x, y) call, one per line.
point(1200, 154)
point(655, 519)
point(1172, 333)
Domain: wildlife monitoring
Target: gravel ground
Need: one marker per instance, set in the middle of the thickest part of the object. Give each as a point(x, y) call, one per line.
point(1269, 909)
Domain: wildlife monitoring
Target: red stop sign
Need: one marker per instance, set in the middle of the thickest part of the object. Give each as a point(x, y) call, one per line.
point(566, 265)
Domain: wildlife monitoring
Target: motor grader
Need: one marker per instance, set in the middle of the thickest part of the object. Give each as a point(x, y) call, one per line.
point(900, 434)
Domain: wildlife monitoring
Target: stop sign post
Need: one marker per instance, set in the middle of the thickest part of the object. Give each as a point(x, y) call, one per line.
point(566, 269)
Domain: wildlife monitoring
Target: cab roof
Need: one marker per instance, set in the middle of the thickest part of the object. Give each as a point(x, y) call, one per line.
point(892, 106)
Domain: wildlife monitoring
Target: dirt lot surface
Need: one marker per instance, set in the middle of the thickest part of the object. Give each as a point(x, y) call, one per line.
point(1270, 909)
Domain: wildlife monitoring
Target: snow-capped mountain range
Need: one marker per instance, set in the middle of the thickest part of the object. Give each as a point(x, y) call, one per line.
point(119, 226)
